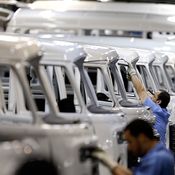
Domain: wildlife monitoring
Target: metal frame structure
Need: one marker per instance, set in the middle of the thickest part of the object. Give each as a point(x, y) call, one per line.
point(53, 140)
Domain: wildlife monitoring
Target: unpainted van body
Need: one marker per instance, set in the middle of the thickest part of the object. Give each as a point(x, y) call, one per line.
point(52, 136)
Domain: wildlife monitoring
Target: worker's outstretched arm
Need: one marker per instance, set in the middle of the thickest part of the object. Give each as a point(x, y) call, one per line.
point(138, 85)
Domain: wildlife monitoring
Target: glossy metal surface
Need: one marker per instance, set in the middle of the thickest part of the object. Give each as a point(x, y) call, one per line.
point(54, 140)
point(140, 16)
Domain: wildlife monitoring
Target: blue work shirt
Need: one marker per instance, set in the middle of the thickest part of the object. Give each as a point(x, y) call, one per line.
point(158, 161)
point(161, 120)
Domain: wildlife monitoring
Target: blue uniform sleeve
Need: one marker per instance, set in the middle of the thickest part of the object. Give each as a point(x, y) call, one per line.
point(153, 106)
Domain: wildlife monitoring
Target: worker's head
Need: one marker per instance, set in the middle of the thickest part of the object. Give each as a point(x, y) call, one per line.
point(139, 134)
point(161, 97)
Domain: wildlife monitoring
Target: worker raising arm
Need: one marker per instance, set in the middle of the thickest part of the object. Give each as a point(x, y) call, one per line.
point(157, 102)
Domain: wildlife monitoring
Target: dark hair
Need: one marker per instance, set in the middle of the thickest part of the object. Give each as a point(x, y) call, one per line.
point(165, 99)
point(36, 166)
point(139, 126)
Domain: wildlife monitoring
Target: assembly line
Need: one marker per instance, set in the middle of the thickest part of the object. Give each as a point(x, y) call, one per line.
point(83, 104)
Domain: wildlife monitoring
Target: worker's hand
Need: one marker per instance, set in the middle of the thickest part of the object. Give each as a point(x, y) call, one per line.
point(104, 158)
point(121, 170)
point(128, 76)
point(131, 70)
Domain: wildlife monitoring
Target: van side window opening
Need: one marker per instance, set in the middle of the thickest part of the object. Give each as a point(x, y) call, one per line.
point(13, 91)
point(145, 76)
point(92, 72)
point(66, 97)
point(99, 84)
point(63, 91)
point(37, 90)
point(171, 74)
point(123, 70)
point(116, 88)
point(4, 81)
point(158, 73)
point(4, 76)
point(127, 84)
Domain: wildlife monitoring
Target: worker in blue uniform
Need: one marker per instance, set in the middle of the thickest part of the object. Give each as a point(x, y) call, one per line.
point(157, 102)
point(155, 158)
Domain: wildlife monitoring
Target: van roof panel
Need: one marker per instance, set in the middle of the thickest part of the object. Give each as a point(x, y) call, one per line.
point(127, 55)
point(145, 56)
point(51, 19)
point(99, 53)
point(55, 51)
point(17, 49)
point(161, 58)
point(171, 57)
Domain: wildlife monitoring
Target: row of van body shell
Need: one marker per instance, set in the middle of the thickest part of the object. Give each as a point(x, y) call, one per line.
point(26, 26)
point(35, 17)
point(59, 53)
point(33, 28)
point(95, 53)
point(54, 140)
point(78, 7)
point(114, 122)
point(127, 43)
point(102, 60)
point(24, 15)
point(145, 59)
point(103, 54)
point(15, 23)
point(60, 16)
point(118, 42)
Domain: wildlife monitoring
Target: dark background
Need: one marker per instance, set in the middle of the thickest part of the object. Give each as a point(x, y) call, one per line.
point(149, 1)
point(145, 1)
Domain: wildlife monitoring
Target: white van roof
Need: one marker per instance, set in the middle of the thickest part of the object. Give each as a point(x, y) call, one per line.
point(164, 46)
point(145, 56)
point(122, 16)
point(99, 53)
point(14, 2)
point(171, 57)
point(36, 19)
point(127, 55)
point(161, 58)
point(24, 47)
point(17, 49)
point(55, 51)
point(140, 16)
point(146, 8)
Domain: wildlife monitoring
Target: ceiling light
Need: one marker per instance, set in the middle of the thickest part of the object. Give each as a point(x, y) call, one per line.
point(171, 19)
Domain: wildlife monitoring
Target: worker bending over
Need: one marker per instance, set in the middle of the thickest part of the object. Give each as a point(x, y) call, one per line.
point(155, 159)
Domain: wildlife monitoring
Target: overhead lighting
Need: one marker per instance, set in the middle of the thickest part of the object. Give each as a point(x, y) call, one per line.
point(171, 19)
point(47, 14)
point(132, 40)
